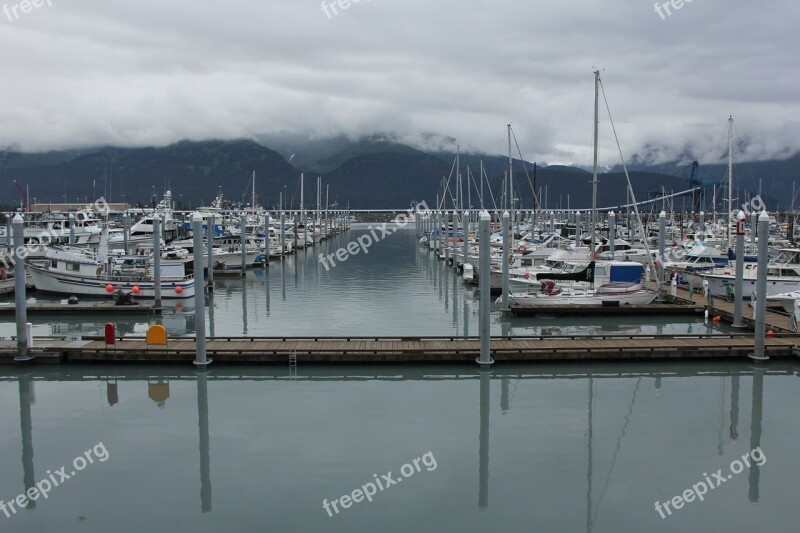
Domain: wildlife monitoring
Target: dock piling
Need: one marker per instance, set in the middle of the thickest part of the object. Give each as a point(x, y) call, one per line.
point(19, 289)
point(761, 287)
point(485, 287)
point(199, 295)
point(739, 284)
point(157, 261)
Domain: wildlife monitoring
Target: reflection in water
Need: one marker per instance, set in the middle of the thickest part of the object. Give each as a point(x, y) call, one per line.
point(755, 429)
point(395, 274)
point(483, 467)
point(158, 391)
point(734, 432)
point(589, 466)
point(26, 398)
point(158, 382)
point(211, 322)
point(204, 444)
point(112, 393)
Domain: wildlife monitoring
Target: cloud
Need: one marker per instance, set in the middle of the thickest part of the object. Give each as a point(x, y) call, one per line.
point(84, 73)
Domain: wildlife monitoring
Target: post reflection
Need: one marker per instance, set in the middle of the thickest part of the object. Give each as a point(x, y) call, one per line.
point(26, 398)
point(755, 431)
point(734, 432)
point(204, 442)
point(483, 453)
point(211, 327)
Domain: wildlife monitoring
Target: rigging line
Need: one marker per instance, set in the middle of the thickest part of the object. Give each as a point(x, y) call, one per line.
point(616, 450)
point(525, 168)
point(630, 186)
point(491, 194)
point(579, 113)
point(447, 188)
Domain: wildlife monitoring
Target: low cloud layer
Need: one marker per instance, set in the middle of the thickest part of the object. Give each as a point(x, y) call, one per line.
point(80, 73)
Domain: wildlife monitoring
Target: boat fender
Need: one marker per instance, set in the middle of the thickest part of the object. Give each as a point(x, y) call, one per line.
point(99, 270)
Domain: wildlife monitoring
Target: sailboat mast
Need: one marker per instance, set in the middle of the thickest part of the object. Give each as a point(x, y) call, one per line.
point(730, 177)
point(302, 212)
point(254, 191)
point(594, 160)
point(459, 202)
point(510, 189)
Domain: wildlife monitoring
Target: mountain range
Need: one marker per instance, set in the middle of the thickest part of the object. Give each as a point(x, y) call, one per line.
point(376, 172)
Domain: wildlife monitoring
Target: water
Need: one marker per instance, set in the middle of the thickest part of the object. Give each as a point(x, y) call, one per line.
point(524, 448)
point(397, 288)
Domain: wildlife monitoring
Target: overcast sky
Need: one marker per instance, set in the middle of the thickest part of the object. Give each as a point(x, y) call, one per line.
point(84, 73)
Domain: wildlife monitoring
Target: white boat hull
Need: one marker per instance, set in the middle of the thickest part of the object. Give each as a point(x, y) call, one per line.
point(80, 285)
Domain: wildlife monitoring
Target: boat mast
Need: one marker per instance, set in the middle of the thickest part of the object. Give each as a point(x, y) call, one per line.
point(510, 190)
point(594, 161)
point(730, 177)
point(302, 219)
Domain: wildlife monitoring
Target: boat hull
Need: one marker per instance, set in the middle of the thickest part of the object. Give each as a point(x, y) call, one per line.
point(46, 280)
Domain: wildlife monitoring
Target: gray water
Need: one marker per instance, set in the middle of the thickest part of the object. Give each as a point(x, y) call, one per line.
point(397, 288)
point(578, 447)
point(521, 448)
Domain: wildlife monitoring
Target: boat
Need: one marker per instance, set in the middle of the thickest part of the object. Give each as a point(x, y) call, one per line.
point(624, 288)
point(80, 272)
point(783, 275)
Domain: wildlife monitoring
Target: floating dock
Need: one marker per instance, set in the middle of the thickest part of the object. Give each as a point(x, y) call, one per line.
point(278, 350)
point(93, 308)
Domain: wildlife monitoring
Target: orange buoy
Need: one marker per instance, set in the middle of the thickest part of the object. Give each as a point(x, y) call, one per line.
point(770, 333)
point(717, 318)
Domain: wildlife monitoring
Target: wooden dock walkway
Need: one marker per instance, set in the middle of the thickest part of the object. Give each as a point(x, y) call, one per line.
point(276, 350)
point(776, 320)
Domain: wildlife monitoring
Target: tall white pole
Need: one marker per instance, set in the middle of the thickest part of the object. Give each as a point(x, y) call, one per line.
point(199, 295)
point(19, 289)
point(593, 223)
point(485, 287)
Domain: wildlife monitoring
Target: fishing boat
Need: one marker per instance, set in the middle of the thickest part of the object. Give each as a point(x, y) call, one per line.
point(783, 275)
point(81, 272)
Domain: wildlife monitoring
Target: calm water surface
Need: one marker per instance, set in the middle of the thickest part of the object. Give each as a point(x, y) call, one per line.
point(522, 448)
point(397, 288)
point(579, 447)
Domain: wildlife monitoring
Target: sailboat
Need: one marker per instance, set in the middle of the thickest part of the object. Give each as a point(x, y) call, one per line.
point(624, 288)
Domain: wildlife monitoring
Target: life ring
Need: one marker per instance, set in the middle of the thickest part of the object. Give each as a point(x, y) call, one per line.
point(99, 270)
point(521, 249)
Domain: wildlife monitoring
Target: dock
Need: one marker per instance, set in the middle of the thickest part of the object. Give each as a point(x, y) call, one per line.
point(677, 309)
point(776, 319)
point(277, 350)
point(92, 308)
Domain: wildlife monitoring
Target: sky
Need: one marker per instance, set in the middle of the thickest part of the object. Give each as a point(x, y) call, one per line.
point(82, 73)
